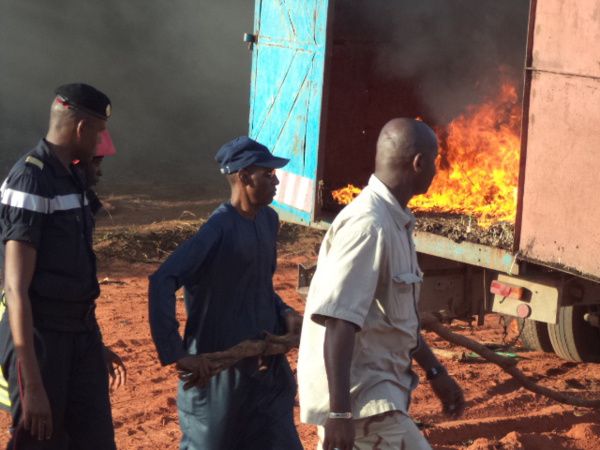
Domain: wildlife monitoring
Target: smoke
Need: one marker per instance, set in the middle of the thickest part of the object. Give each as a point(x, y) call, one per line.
point(176, 71)
point(179, 76)
point(455, 51)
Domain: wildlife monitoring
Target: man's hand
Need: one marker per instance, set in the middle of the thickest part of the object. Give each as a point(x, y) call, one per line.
point(291, 339)
point(293, 322)
point(195, 370)
point(443, 385)
point(339, 433)
point(450, 393)
point(36, 412)
point(116, 368)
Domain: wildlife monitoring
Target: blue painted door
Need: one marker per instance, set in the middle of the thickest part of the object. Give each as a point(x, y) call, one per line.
point(286, 95)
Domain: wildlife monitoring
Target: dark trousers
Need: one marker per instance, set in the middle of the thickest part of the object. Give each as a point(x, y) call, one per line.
point(76, 381)
point(241, 411)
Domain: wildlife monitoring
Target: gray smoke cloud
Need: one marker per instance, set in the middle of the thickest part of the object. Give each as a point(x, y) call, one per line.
point(179, 76)
point(177, 73)
point(452, 50)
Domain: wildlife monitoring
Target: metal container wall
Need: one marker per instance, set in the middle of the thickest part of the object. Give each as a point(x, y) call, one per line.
point(315, 100)
point(560, 211)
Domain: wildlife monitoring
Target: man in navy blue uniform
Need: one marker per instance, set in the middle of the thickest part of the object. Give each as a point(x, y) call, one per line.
point(51, 349)
point(227, 272)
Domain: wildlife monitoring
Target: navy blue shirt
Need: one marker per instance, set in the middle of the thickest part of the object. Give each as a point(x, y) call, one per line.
point(44, 205)
point(227, 271)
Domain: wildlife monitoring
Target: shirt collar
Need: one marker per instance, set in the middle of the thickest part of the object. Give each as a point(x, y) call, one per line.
point(403, 217)
point(47, 157)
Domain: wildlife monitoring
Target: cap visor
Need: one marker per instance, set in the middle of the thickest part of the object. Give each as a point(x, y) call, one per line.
point(274, 162)
point(106, 147)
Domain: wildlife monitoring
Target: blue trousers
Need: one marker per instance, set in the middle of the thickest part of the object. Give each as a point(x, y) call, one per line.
point(241, 409)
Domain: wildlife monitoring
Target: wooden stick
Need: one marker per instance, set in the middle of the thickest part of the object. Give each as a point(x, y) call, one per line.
point(431, 323)
point(271, 345)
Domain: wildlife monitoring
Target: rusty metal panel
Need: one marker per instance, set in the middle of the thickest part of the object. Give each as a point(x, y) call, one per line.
point(466, 252)
point(567, 37)
point(560, 223)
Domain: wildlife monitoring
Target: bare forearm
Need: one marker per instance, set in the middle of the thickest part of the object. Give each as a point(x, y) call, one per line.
point(20, 264)
point(338, 351)
point(21, 324)
point(442, 384)
point(424, 356)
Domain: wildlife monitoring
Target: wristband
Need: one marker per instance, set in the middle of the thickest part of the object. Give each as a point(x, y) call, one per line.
point(335, 415)
point(435, 371)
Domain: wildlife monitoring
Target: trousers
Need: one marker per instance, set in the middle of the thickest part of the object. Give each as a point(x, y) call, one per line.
point(75, 378)
point(388, 431)
point(241, 409)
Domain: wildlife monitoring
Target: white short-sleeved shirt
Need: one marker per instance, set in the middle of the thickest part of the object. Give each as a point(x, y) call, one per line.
point(367, 274)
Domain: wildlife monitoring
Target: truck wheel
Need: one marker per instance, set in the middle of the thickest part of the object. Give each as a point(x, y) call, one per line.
point(535, 335)
point(573, 338)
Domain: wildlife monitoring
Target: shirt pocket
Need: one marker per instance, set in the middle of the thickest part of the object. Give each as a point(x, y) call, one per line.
point(402, 298)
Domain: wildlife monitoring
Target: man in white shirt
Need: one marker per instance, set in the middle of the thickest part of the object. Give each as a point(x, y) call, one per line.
point(354, 370)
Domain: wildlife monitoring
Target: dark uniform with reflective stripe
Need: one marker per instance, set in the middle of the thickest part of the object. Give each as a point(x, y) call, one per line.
point(45, 206)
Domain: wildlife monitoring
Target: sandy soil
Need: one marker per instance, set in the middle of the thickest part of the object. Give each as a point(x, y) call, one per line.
point(500, 413)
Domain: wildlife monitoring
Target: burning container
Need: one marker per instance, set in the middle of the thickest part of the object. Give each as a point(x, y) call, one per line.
point(512, 89)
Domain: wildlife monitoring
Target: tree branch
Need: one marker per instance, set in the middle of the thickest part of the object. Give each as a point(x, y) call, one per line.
point(431, 323)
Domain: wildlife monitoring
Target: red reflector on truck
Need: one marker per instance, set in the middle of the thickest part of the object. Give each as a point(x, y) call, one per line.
point(506, 290)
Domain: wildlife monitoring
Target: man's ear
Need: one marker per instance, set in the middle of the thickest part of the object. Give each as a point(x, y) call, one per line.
point(244, 176)
point(418, 163)
point(81, 125)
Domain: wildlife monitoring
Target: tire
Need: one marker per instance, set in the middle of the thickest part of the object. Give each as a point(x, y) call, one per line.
point(535, 335)
point(573, 338)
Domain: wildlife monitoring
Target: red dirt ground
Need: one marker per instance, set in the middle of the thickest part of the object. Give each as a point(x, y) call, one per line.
point(500, 414)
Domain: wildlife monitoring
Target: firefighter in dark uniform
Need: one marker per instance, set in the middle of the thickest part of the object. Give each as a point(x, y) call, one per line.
point(51, 349)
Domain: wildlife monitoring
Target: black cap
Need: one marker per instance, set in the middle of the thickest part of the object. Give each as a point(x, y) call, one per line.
point(84, 97)
point(244, 152)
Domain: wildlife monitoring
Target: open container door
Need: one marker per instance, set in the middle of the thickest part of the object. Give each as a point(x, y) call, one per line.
point(560, 214)
point(286, 96)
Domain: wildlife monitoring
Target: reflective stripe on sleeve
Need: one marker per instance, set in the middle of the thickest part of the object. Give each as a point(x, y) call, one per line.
point(23, 200)
point(36, 203)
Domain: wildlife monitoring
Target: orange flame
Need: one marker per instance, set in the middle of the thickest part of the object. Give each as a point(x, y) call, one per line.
point(478, 166)
point(346, 195)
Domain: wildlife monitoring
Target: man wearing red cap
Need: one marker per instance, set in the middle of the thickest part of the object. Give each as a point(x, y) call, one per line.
point(51, 349)
point(105, 148)
point(93, 172)
point(227, 271)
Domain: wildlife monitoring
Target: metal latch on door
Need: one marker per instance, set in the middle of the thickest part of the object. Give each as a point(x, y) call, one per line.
point(250, 39)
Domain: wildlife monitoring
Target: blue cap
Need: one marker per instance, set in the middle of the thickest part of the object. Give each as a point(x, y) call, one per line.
point(244, 152)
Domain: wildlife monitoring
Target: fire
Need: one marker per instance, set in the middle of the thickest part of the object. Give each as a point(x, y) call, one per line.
point(478, 165)
point(346, 195)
